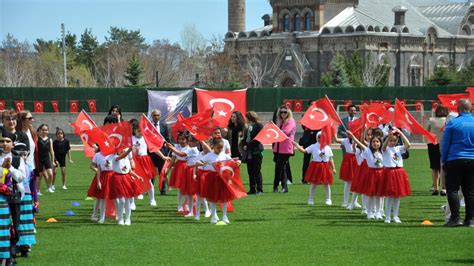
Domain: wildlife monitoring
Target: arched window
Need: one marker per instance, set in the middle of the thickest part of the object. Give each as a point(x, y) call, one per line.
point(307, 22)
point(286, 23)
point(297, 22)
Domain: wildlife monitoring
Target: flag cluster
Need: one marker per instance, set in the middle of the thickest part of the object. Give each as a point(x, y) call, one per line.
point(39, 106)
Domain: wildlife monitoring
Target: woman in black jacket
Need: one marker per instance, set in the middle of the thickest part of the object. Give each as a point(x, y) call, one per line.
point(253, 153)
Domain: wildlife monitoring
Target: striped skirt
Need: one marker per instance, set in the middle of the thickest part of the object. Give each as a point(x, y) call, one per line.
point(5, 222)
point(26, 228)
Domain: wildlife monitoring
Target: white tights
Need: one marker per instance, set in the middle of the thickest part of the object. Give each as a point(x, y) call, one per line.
point(151, 192)
point(388, 207)
point(347, 192)
point(198, 205)
point(124, 203)
point(312, 191)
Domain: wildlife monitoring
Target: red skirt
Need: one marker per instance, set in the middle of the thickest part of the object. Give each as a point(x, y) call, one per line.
point(122, 186)
point(200, 181)
point(356, 185)
point(188, 184)
point(177, 174)
point(105, 177)
point(318, 173)
point(372, 182)
point(214, 188)
point(349, 168)
point(144, 168)
point(396, 183)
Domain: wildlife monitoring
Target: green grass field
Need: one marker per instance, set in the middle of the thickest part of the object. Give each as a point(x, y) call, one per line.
point(266, 229)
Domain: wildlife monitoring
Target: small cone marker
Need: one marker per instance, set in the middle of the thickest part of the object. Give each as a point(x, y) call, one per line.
point(75, 204)
point(88, 198)
point(51, 220)
point(69, 213)
point(427, 223)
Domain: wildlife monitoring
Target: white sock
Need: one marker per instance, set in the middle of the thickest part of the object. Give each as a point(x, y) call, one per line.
point(128, 209)
point(151, 192)
point(382, 203)
point(213, 209)
point(388, 207)
point(132, 201)
point(347, 191)
point(364, 201)
point(121, 206)
point(396, 206)
point(312, 192)
point(377, 204)
point(327, 188)
point(370, 205)
point(198, 206)
point(179, 199)
point(354, 198)
point(102, 209)
point(206, 206)
point(96, 207)
point(224, 209)
point(190, 203)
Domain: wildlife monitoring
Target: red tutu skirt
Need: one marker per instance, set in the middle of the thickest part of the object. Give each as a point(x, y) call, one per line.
point(121, 186)
point(200, 181)
point(177, 174)
point(372, 182)
point(356, 185)
point(105, 177)
point(396, 183)
point(144, 168)
point(318, 173)
point(349, 168)
point(214, 189)
point(188, 184)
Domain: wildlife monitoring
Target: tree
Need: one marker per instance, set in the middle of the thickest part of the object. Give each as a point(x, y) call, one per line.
point(15, 63)
point(133, 72)
point(354, 66)
point(124, 37)
point(337, 76)
point(373, 73)
point(87, 50)
point(192, 40)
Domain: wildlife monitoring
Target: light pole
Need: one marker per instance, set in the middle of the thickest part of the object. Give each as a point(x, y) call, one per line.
point(63, 31)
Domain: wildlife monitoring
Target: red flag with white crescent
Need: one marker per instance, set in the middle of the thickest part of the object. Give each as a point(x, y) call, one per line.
point(319, 114)
point(375, 114)
point(223, 102)
point(55, 106)
point(356, 126)
point(270, 133)
point(326, 135)
point(403, 119)
point(451, 100)
point(177, 127)
point(39, 106)
point(92, 106)
point(164, 170)
point(73, 106)
point(82, 123)
point(201, 125)
point(119, 135)
point(99, 137)
point(2, 105)
point(19, 106)
point(470, 90)
point(229, 173)
point(154, 140)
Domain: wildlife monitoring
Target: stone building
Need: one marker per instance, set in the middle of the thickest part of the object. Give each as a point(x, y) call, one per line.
point(298, 40)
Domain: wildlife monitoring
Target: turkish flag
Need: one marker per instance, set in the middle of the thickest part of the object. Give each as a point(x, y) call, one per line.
point(73, 106)
point(347, 102)
point(288, 103)
point(223, 102)
point(55, 106)
point(92, 106)
point(298, 105)
point(356, 126)
point(201, 126)
point(434, 105)
point(229, 173)
point(319, 114)
point(39, 106)
point(119, 134)
point(375, 114)
point(326, 135)
point(419, 105)
point(178, 127)
point(19, 106)
point(451, 100)
point(99, 137)
point(364, 102)
point(88, 150)
point(82, 123)
point(154, 140)
point(404, 102)
point(165, 169)
point(2, 105)
point(270, 133)
point(403, 119)
point(470, 90)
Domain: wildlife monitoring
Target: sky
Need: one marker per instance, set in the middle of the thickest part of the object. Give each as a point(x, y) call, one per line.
point(156, 19)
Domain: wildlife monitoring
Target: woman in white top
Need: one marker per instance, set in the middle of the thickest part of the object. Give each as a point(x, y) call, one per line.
point(436, 126)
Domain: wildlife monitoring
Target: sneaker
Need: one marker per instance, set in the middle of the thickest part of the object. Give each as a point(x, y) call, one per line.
point(378, 216)
point(64, 188)
point(370, 216)
point(153, 203)
point(190, 214)
point(364, 211)
point(387, 220)
point(121, 222)
point(435, 193)
point(128, 222)
point(397, 220)
point(225, 220)
point(452, 223)
point(350, 206)
point(94, 218)
point(357, 205)
point(101, 221)
point(288, 182)
point(39, 193)
point(140, 197)
point(251, 192)
point(310, 202)
point(197, 217)
point(275, 190)
point(133, 206)
point(344, 205)
point(329, 202)
point(285, 190)
point(442, 193)
point(207, 214)
point(214, 220)
point(50, 190)
point(53, 187)
point(180, 209)
point(259, 192)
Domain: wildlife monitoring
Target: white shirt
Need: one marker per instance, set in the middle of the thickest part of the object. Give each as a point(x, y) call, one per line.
point(347, 145)
point(30, 160)
point(226, 145)
point(157, 126)
point(181, 149)
point(122, 166)
point(359, 156)
point(139, 146)
point(211, 158)
point(392, 157)
point(103, 162)
point(199, 158)
point(373, 160)
point(319, 155)
point(192, 155)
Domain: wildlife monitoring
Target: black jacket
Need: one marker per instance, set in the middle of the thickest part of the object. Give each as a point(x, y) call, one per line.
point(16, 137)
point(254, 146)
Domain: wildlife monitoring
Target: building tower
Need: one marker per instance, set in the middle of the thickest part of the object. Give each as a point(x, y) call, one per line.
point(236, 15)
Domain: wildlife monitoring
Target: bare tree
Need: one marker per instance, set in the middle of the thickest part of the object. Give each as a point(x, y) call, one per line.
point(257, 68)
point(15, 61)
point(165, 59)
point(375, 73)
point(303, 67)
point(192, 40)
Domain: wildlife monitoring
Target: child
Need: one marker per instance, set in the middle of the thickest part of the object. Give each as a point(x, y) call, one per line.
point(143, 163)
point(99, 188)
point(357, 186)
point(214, 189)
point(319, 170)
point(61, 148)
point(200, 184)
point(372, 181)
point(349, 170)
point(396, 183)
point(217, 134)
point(189, 180)
point(179, 167)
point(45, 158)
point(5, 220)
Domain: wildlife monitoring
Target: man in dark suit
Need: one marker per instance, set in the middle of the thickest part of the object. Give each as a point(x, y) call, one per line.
point(341, 130)
point(163, 129)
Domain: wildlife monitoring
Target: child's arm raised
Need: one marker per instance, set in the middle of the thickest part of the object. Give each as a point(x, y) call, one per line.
point(361, 145)
point(405, 140)
point(123, 154)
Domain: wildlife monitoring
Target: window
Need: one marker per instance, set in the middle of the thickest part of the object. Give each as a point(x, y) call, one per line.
point(286, 23)
point(307, 22)
point(297, 22)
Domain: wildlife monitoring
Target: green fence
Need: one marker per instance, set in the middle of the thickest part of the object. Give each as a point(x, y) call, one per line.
point(258, 99)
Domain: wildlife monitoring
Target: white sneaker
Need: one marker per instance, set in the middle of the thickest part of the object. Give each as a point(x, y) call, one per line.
point(344, 205)
point(350, 206)
point(288, 182)
point(311, 202)
point(50, 190)
point(153, 203)
point(225, 220)
point(214, 220)
point(197, 217)
point(329, 202)
point(190, 214)
point(53, 188)
point(378, 216)
point(140, 197)
point(370, 216)
point(64, 188)
point(121, 222)
point(128, 222)
point(180, 209)
point(207, 214)
point(364, 211)
point(387, 220)
point(357, 205)
point(397, 220)
point(39, 193)
point(94, 218)
point(462, 203)
point(101, 221)
point(133, 206)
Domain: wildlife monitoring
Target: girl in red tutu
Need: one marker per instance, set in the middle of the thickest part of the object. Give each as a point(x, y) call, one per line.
point(102, 166)
point(396, 184)
point(320, 170)
point(372, 180)
point(357, 186)
point(349, 170)
point(213, 189)
point(179, 168)
point(189, 180)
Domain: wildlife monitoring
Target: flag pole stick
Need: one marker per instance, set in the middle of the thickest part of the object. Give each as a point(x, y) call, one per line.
point(88, 116)
point(342, 124)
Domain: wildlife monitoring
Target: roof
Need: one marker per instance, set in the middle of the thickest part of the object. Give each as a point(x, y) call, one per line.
point(448, 17)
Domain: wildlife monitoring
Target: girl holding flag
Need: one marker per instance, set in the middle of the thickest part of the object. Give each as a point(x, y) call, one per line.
point(179, 168)
point(349, 169)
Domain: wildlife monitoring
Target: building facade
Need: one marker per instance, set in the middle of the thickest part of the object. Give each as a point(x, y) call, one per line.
point(299, 39)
